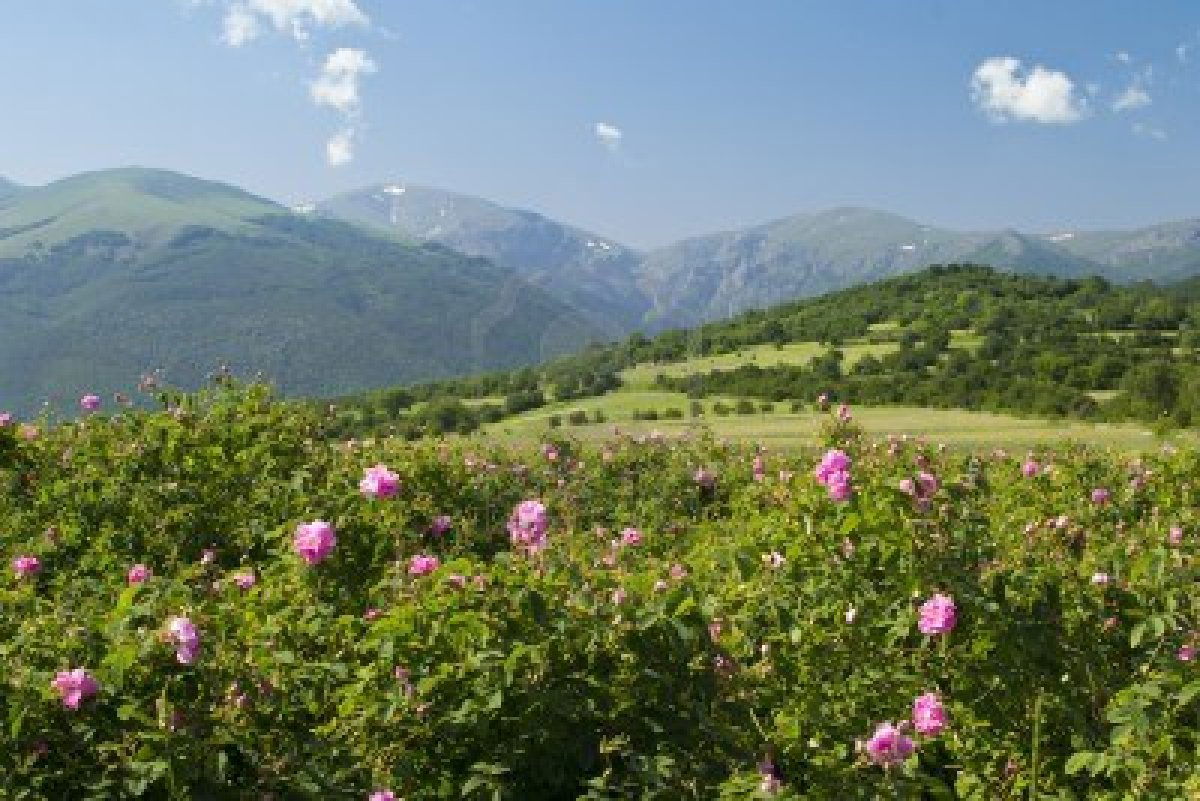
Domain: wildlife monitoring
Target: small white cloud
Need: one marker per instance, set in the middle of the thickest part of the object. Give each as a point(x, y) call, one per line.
point(1123, 57)
point(608, 135)
point(339, 150)
point(240, 27)
point(1005, 90)
point(1142, 129)
point(295, 17)
point(1133, 97)
point(337, 85)
point(1181, 53)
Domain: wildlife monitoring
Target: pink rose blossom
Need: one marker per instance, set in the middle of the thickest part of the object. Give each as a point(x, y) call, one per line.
point(441, 524)
point(383, 795)
point(6, 419)
point(89, 403)
point(138, 574)
point(186, 637)
point(74, 686)
point(1030, 468)
point(843, 413)
point(26, 566)
point(245, 581)
point(1186, 653)
point(939, 615)
point(678, 572)
point(928, 714)
point(1101, 496)
point(457, 581)
point(774, 560)
point(379, 482)
point(619, 595)
point(889, 746)
point(528, 525)
point(908, 486)
point(372, 613)
point(631, 536)
point(314, 541)
point(1175, 535)
point(1100, 579)
point(422, 565)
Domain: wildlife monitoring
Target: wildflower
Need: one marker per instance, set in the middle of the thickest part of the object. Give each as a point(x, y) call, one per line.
point(928, 714)
point(74, 686)
point(457, 581)
point(939, 615)
point(89, 403)
point(26, 566)
point(773, 560)
point(839, 487)
point(619, 595)
point(1030, 468)
point(843, 413)
point(314, 541)
point(6, 419)
point(678, 572)
point(631, 536)
point(528, 525)
point(834, 461)
point(550, 452)
point(771, 782)
point(1100, 579)
point(889, 746)
point(28, 433)
point(441, 524)
point(1101, 496)
point(908, 486)
point(379, 482)
point(851, 614)
point(245, 581)
point(208, 556)
point(705, 478)
point(382, 795)
point(186, 637)
point(823, 400)
point(372, 613)
point(660, 585)
point(422, 565)
point(1175, 535)
point(1186, 653)
point(759, 468)
point(137, 574)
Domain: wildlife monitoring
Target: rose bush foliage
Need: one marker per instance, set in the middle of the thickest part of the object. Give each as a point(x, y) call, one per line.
point(754, 635)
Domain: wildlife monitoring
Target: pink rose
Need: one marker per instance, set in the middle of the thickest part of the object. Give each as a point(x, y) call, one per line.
point(74, 686)
point(379, 482)
point(929, 716)
point(889, 746)
point(137, 574)
point(441, 524)
point(528, 525)
point(1030, 468)
point(314, 541)
point(186, 637)
point(89, 403)
point(6, 419)
point(938, 615)
point(422, 565)
point(631, 536)
point(245, 581)
point(1101, 496)
point(26, 566)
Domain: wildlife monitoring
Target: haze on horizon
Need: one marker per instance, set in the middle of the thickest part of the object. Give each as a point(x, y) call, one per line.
point(645, 122)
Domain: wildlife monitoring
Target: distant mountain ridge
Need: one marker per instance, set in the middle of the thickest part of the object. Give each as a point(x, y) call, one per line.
point(106, 275)
point(594, 274)
point(713, 276)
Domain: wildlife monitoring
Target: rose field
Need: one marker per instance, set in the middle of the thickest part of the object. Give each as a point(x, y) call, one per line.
point(220, 601)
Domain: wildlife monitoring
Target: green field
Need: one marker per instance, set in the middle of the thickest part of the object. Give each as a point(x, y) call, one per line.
point(783, 429)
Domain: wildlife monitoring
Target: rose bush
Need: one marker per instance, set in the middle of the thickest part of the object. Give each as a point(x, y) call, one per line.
point(228, 605)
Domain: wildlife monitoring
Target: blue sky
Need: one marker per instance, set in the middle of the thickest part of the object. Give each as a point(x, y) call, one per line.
point(644, 120)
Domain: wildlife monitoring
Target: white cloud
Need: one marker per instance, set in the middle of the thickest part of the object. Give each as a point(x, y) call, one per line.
point(1181, 53)
point(1123, 57)
point(608, 135)
point(1133, 97)
point(296, 17)
point(240, 27)
point(339, 150)
point(1142, 129)
point(337, 85)
point(1005, 90)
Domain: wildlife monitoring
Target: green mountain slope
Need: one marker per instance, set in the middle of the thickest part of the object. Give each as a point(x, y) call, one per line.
point(107, 275)
point(1166, 252)
point(590, 272)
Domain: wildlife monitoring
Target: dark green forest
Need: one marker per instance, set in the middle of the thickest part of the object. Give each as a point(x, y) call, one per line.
point(1049, 347)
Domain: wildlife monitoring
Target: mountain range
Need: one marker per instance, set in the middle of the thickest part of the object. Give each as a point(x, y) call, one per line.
point(714, 276)
point(107, 274)
point(104, 276)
